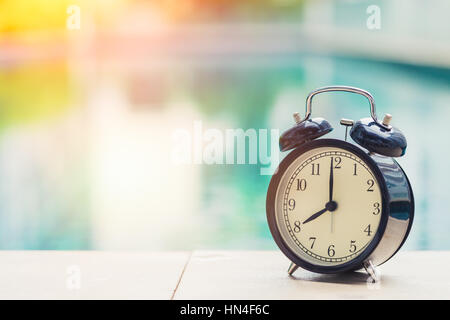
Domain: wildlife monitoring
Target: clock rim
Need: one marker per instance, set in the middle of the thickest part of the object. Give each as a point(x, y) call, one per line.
point(357, 262)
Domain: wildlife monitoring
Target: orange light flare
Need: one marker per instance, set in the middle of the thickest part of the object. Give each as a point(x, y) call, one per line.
point(195, 10)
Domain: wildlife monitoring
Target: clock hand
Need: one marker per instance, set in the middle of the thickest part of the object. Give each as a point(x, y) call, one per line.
point(331, 180)
point(315, 215)
point(330, 206)
point(331, 190)
point(332, 222)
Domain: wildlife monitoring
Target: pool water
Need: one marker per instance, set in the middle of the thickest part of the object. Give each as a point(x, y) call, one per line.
point(85, 156)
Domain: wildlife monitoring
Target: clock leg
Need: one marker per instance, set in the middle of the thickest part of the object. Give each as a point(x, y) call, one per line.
point(292, 268)
point(372, 271)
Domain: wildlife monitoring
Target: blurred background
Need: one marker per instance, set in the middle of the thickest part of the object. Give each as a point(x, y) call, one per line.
point(87, 111)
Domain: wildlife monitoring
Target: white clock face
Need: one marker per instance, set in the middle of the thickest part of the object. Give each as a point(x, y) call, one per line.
point(328, 206)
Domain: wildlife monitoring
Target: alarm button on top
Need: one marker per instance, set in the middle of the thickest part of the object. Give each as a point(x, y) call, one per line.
point(373, 137)
point(304, 131)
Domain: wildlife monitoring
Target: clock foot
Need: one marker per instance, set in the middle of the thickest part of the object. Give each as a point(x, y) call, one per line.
point(372, 271)
point(292, 268)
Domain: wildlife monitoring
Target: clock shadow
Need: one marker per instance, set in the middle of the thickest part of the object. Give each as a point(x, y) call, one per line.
point(350, 277)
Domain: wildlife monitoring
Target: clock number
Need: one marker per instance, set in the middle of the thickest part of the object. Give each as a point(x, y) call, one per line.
point(313, 239)
point(331, 251)
point(315, 169)
point(370, 183)
point(369, 232)
point(338, 161)
point(301, 184)
point(291, 204)
point(297, 228)
point(352, 246)
point(354, 169)
point(377, 211)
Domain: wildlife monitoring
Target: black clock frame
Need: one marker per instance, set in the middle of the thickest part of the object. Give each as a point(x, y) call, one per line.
point(397, 205)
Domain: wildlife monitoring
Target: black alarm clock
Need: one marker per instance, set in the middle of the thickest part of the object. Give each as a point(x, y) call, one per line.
point(335, 206)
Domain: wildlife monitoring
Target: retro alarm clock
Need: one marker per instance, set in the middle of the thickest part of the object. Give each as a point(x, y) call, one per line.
point(335, 206)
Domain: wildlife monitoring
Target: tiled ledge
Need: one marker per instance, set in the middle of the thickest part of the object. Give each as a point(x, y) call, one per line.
point(210, 275)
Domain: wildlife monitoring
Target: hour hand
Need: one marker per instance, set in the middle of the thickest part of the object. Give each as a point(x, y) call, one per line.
point(315, 215)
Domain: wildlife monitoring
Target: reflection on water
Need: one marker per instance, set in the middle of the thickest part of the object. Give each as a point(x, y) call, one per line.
point(94, 171)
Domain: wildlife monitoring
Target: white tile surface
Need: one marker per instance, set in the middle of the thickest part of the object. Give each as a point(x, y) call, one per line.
point(210, 275)
point(262, 275)
point(103, 275)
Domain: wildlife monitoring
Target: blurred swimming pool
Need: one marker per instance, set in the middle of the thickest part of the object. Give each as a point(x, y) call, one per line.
point(84, 156)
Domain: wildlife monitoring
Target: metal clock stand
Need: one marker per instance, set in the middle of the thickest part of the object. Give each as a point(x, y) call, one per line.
point(370, 268)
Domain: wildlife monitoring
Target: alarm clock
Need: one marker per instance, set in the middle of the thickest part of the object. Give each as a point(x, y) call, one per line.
point(334, 205)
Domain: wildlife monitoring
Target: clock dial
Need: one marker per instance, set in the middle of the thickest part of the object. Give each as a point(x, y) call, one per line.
point(328, 206)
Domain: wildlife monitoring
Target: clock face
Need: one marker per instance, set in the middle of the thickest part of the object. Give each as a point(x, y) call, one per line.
point(328, 206)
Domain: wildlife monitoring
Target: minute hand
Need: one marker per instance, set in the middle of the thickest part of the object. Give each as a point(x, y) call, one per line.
point(315, 215)
point(331, 180)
